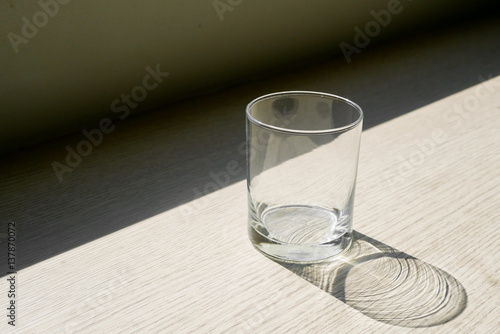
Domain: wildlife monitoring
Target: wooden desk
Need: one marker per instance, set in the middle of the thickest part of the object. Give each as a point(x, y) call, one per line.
point(123, 245)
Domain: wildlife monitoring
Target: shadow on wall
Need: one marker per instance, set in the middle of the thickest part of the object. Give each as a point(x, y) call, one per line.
point(388, 285)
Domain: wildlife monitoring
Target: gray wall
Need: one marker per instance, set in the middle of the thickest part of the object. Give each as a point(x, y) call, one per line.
point(65, 76)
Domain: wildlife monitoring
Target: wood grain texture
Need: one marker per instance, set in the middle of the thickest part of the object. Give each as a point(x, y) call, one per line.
point(123, 246)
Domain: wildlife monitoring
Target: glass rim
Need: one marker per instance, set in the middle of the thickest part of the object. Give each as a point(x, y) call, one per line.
point(305, 132)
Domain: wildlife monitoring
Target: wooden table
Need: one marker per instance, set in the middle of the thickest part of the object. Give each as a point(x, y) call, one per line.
point(140, 238)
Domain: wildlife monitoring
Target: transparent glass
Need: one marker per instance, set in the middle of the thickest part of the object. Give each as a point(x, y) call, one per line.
point(302, 158)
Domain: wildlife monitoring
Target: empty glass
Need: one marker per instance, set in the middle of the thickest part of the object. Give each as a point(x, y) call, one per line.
point(302, 157)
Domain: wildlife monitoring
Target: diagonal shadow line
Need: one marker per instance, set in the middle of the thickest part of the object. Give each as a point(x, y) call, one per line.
point(387, 285)
point(157, 161)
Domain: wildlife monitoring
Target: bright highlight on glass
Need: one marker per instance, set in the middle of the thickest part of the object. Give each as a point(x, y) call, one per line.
point(302, 157)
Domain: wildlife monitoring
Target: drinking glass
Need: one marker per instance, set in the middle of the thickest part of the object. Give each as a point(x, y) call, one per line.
point(302, 158)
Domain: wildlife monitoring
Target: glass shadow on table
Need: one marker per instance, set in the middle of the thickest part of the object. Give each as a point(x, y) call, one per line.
point(387, 285)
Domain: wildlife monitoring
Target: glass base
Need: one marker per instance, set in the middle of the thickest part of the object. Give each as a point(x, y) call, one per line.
point(301, 234)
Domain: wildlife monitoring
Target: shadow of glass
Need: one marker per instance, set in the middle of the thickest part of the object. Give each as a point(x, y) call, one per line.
point(387, 285)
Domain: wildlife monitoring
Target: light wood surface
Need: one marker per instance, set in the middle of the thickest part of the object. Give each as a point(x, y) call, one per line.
point(123, 245)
